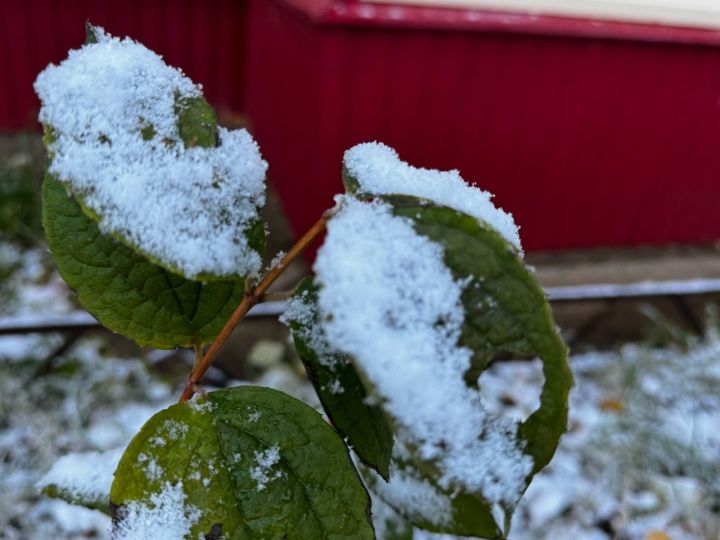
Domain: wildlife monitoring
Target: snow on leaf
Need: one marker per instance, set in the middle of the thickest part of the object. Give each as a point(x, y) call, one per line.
point(338, 385)
point(376, 169)
point(138, 146)
point(82, 478)
point(165, 516)
point(394, 306)
point(284, 474)
point(421, 296)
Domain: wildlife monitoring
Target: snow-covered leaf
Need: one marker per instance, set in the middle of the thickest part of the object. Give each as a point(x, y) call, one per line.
point(505, 311)
point(246, 462)
point(123, 290)
point(337, 383)
point(138, 147)
point(82, 478)
point(421, 285)
point(376, 169)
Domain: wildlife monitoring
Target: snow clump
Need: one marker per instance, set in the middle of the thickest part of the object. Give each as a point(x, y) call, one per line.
point(388, 299)
point(112, 110)
point(379, 171)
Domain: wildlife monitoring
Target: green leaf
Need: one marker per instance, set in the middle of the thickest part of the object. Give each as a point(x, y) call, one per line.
point(82, 478)
point(505, 310)
point(126, 292)
point(339, 387)
point(197, 122)
point(90, 33)
point(56, 491)
point(251, 463)
point(351, 184)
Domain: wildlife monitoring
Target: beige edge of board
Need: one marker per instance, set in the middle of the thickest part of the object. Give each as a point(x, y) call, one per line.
point(692, 13)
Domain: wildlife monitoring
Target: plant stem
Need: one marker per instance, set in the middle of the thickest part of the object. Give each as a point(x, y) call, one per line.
point(197, 346)
point(249, 300)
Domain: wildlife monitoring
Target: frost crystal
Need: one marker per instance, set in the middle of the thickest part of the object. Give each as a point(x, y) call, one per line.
point(263, 472)
point(388, 299)
point(188, 208)
point(380, 171)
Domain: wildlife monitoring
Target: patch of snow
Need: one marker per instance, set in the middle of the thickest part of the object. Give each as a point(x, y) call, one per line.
point(417, 498)
point(85, 476)
point(387, 299)
point(175, 430)
point(385, 519)
point(153, 470)
point(78, 405)
point(187, 207)
point(262, 472)
point(109, 430)
point(201, 404)
point(301, 310)
point(380, 171)
point(277, 260)
point(166, 517)
point(647, 464)
point(335, 387)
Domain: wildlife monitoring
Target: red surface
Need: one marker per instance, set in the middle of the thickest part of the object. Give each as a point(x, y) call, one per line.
point(206, 38)
point(587, 141)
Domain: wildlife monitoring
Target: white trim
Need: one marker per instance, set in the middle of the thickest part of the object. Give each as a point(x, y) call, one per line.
point(682, 13)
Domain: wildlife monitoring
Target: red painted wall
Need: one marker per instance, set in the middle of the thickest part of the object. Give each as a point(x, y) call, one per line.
point(205, 38)
point(589, 138)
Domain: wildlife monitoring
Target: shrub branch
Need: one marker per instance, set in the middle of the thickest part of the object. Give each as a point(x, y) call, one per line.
point(249, 300)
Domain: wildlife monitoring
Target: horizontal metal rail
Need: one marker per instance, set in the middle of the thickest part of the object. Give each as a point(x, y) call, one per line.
point(604, 291)
point(80, 320)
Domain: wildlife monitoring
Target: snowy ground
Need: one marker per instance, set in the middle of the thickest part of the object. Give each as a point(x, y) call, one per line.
point(641, 459)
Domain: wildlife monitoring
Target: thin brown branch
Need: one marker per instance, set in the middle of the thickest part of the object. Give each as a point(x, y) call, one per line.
point(249, 300)
point(197, 346)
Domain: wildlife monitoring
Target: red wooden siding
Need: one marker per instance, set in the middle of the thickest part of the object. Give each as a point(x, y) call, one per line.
point(587, 139)
point(205, 38)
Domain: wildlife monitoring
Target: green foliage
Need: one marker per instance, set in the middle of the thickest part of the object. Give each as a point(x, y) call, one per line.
point(123, 290)
point(19, 200)
point(254, 462)
point(340, 389)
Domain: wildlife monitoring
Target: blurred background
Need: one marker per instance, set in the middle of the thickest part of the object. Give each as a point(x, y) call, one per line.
point(595, 122)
